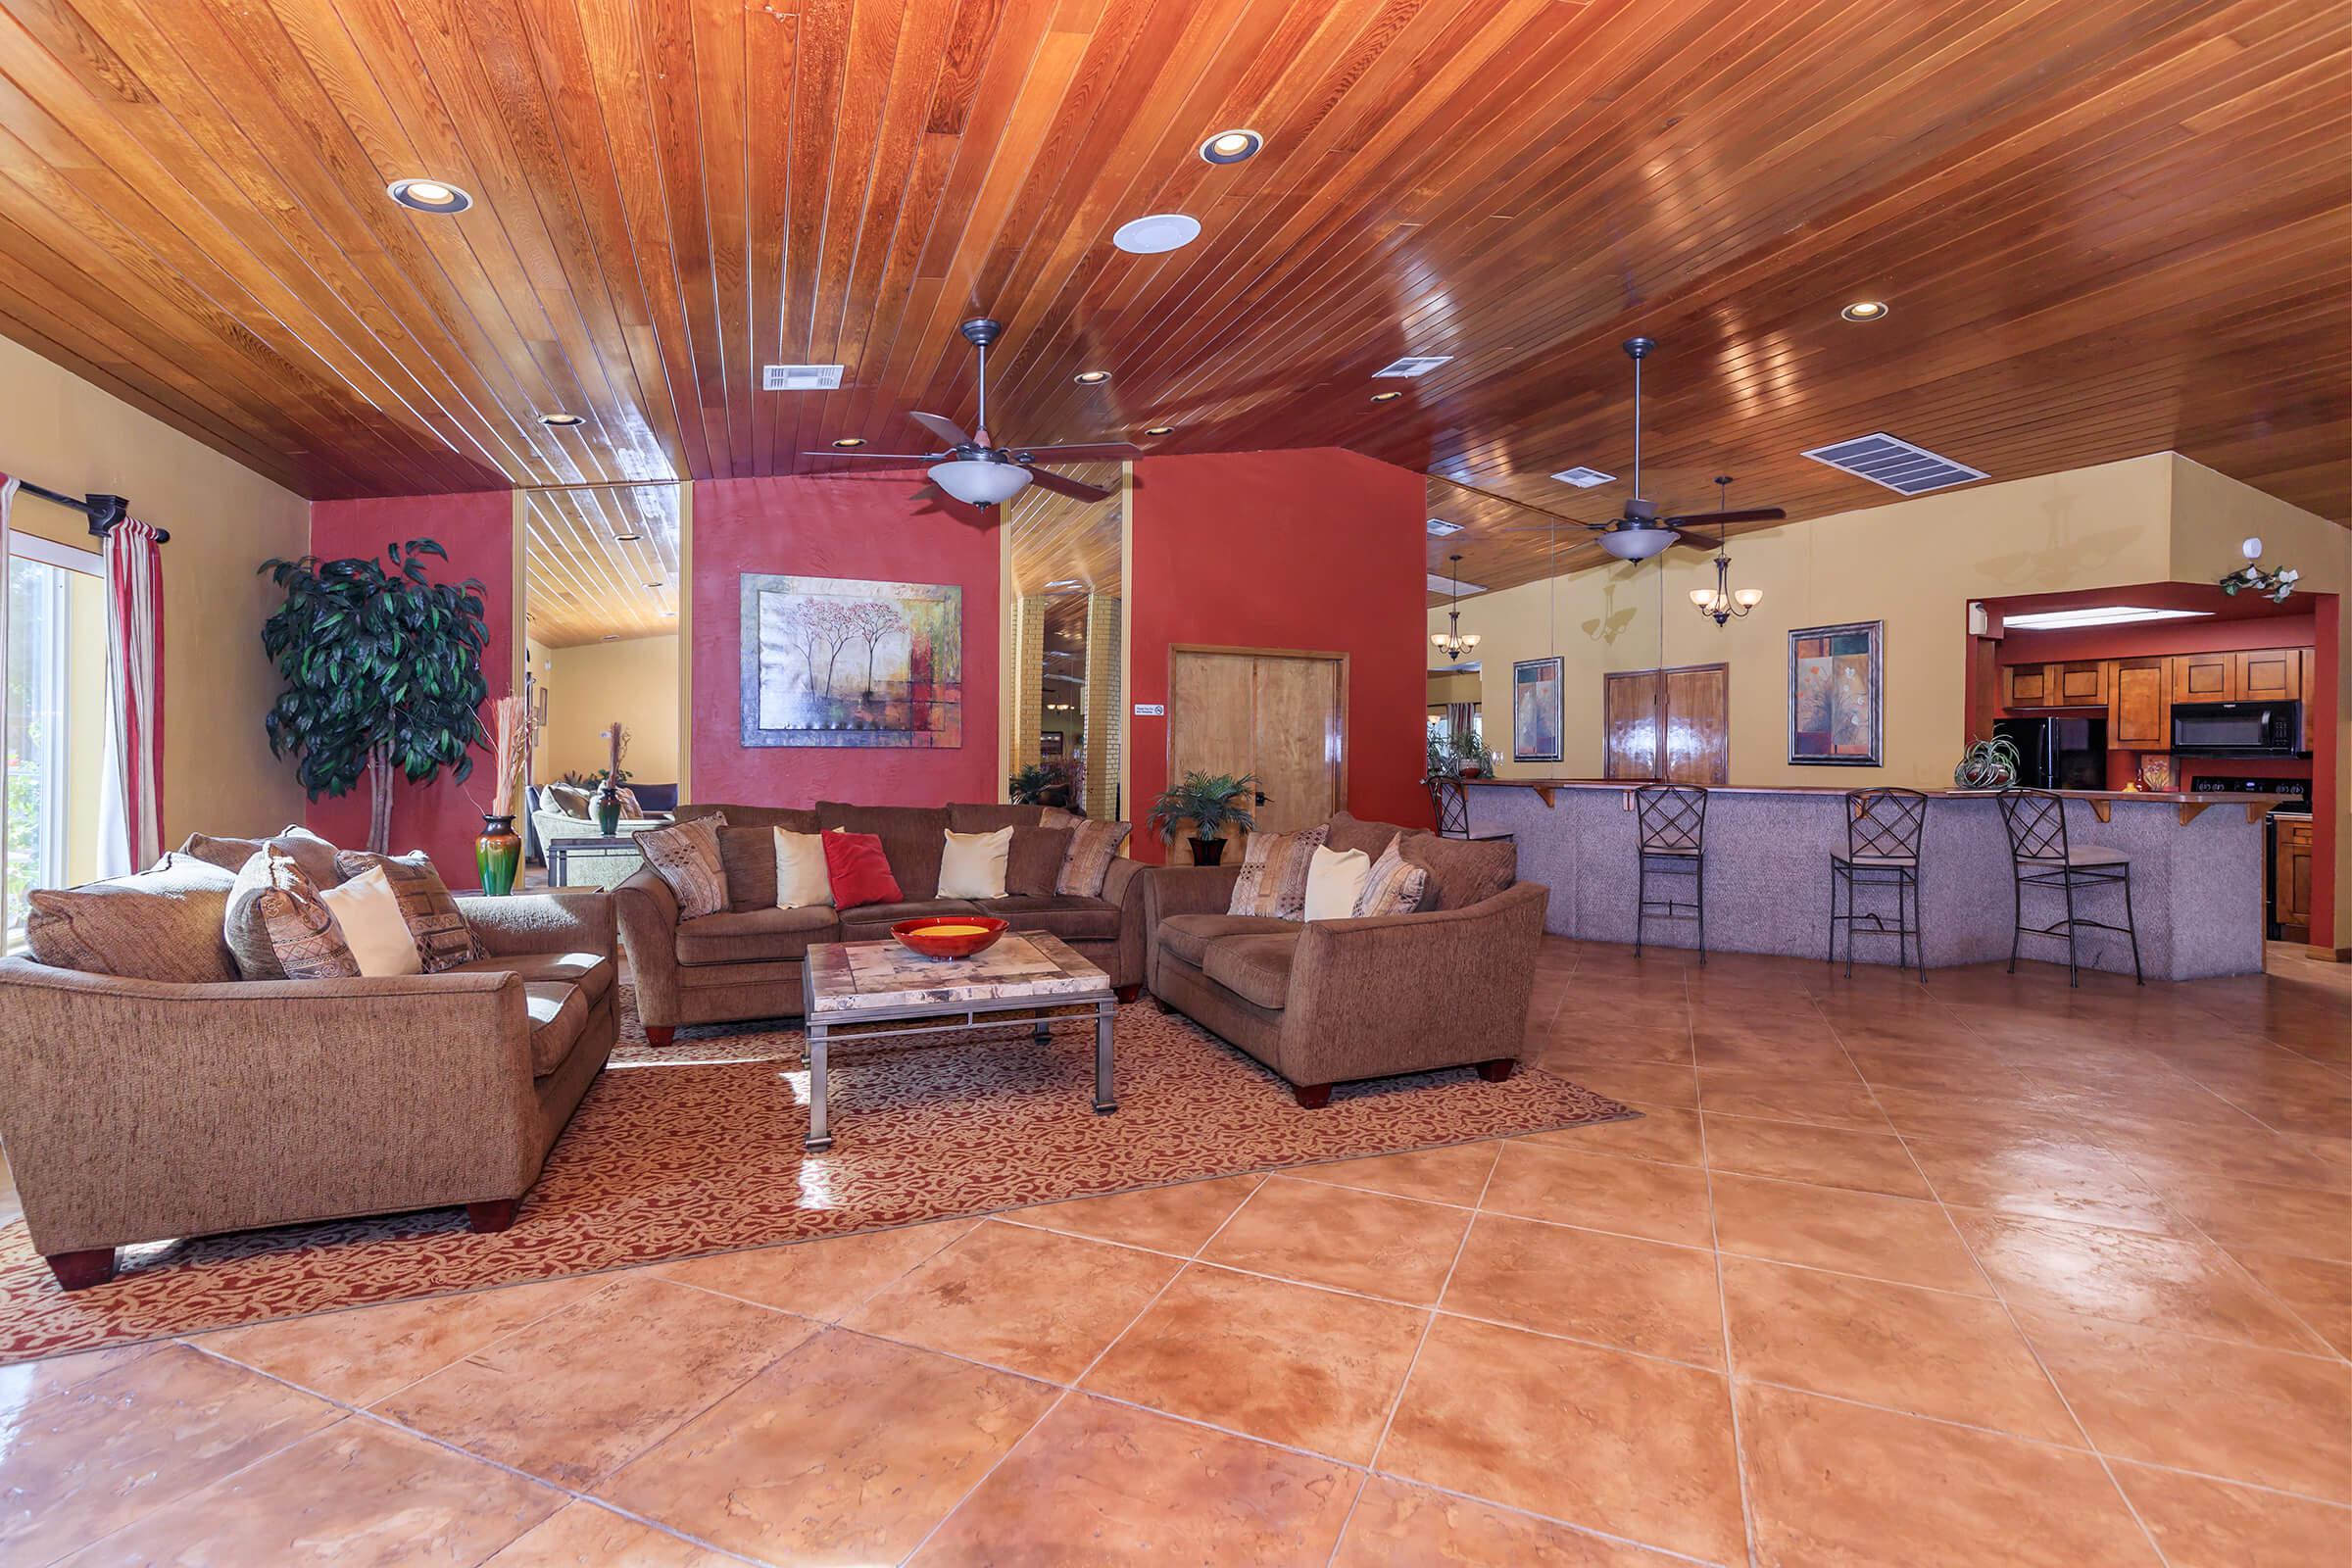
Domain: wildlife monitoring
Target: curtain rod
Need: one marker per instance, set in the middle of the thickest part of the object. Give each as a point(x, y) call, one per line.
point(103, 510)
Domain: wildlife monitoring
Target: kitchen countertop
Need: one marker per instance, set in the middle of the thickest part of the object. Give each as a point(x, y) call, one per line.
point(2189, 803)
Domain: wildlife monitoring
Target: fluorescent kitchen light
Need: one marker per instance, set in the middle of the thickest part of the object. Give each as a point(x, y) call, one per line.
point(2095, 615)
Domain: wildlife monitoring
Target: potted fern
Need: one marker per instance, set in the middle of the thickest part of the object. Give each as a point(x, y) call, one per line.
point(1213, 804)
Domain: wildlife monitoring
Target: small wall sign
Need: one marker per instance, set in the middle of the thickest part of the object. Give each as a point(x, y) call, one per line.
point(1151, 710)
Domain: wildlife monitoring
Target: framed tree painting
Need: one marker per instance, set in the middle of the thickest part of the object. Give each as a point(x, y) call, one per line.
point(842, 661)
point(1535, 723)
point(1835, 675)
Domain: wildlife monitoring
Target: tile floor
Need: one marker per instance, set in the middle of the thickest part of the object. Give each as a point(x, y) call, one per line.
point(1985, 1273)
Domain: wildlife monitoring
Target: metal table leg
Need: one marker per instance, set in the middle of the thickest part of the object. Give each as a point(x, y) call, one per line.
point(819, 1139)
point(1104, 1101)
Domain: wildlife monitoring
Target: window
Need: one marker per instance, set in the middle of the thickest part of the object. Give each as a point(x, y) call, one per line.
point(55, 700)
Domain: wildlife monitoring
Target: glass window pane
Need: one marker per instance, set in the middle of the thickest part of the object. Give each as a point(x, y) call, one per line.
point(36, 739)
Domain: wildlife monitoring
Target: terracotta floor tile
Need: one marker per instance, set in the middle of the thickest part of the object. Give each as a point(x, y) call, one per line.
point(1855, 1233)
point(1102, 1483)
point(2265, 1416)
point(2172, 1154)
point(849, 1451)
point(1165, 1219)
point(2297, 1221)
point(1661, 1132)
point(2317, 1291)
point(358, 1495)
point(585, 1536)
point(1975, 1070)
point(1030, 1300)
point(1636, 1296)
point(1396, 1247)
point(586, 1388)
point(1636, 1447)
point(1599, 1192)
point(1285, 1363)
point(1962, 1118)
point(1840, 1484)
point(1798, 1045)
point(1455, 1175)
point(94, 1443)
point(1776, 1097)
point(1930, 1353)
point(1650, 1084)
point(1620, 1040)
point(2212, 1524)
point(1827, 1156)
point(361, 1355)
point(821, 1279)
point(1396, 1524)
point(2043, 1178)
point(2129, 1276)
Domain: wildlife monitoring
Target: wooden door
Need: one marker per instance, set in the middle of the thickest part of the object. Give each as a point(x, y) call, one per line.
point(1281, 717)
point(2140, 707)
point(2270, 673)
point(1631, 705)
point(1697, 721)
point(2291, 893)
point(2204, 677)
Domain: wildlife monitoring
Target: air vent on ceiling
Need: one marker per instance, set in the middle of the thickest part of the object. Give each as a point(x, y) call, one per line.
point(1583, 478)
point(1440, 584)
point(1899, 465)
point(799, 377)
point(1439, 527)
point(1413, 365)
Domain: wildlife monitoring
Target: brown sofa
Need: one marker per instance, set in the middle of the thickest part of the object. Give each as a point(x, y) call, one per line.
point(1331, 1001)
point(137, 1110)
point(745, 963)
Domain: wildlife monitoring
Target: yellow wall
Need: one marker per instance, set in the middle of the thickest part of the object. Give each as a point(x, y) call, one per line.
point(635, 681)
point(1455, 686)
point(58, 429)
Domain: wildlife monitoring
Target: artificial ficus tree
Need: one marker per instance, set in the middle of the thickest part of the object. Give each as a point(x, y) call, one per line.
point(383, 671)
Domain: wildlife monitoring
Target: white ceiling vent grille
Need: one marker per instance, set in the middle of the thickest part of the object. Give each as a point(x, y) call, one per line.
point(1439, 527)
point(1583, 478)
point(1413, 365)
point(1899, 465)
point(1438, 583)
point(799, 377)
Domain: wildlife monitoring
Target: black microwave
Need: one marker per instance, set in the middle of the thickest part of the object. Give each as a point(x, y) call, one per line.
point(2238, 729)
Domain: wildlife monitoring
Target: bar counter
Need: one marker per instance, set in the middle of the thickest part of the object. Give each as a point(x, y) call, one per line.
point(2196, 874)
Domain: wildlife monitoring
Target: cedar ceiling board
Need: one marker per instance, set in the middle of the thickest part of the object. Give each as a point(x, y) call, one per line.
point(1054, 537)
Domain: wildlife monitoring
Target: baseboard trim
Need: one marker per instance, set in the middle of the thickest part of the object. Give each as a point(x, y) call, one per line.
point(2329, 954)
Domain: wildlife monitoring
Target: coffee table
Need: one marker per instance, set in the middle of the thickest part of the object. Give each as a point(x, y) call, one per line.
point(881, 989)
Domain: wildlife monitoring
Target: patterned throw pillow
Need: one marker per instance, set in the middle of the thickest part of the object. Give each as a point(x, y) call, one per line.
point(313, 854)
point(569, 798)
point(1057, 817)
point(1394, 886)
point(1273, 880)
point(443, 937)
point(279, 928)
point(164, 923)
point(1087, 861)
point(685, 855)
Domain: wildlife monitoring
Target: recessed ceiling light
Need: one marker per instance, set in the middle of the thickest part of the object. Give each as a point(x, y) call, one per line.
point(850, 441)
point(626, 538)
point(561, 421)
point(1161, 231)
point(2095, 616)
point(655, 584)
point(428, 195)
point(1160, 429)
point(1090, 377)
point(670, 613)
point(1864, 311)
point(1439, 527)
point(1386, 397)
point(609, 637)
point(1232, 146)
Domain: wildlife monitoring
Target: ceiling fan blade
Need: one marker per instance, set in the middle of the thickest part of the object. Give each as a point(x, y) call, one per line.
point(893, 457)
point(1565, 523)
point(1085, 446)
point(944, 429)
point(1061, 484)
point(1752, 514)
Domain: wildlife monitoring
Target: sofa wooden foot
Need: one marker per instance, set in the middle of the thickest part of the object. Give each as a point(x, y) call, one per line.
point(1163, 1005)
point(1311, 1097)
point(495, 1215)
point(1499, 1070)
point(660, 1034)
point(79, 1271)
point(1129, 992)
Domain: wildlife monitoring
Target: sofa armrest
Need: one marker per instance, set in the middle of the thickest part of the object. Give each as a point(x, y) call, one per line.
point(558, 920)
point(648, 913)
point(1187, 890)
point(1126, 885)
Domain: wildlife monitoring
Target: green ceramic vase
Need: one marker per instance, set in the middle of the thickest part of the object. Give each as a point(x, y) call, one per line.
point(498, 855)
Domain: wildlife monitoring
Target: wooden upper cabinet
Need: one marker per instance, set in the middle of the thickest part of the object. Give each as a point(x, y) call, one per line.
point(2081, 683)
point(2270, 672)
point(2140, 707)
point(2029, 685)
point(2205, 678)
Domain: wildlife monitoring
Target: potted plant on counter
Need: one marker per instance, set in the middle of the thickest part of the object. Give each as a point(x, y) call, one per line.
point(1459, 754)
point(1213, 804)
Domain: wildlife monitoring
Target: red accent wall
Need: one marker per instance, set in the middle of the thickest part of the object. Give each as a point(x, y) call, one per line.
point(478, 531)
point(867, 525)
point(1318, 549)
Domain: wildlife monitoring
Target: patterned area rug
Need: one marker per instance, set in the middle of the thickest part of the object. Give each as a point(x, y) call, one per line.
point(696, 1148)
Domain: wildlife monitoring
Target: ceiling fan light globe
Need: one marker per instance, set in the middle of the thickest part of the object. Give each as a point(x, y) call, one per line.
point(1636, 544)
point(977, 482)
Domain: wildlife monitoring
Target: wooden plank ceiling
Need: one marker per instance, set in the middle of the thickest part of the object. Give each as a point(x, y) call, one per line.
point(600, 565)
point(2104, 227)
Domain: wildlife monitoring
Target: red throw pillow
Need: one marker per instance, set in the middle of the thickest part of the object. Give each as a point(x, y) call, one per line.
point(858, 869)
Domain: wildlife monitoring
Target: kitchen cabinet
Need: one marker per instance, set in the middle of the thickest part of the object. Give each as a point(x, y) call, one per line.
point(2310, 692)
point(2080, 683)
point(2030, 685)
point(2139, 705)
point(2206, 677)
point(2269, 674)
point(2290, 893)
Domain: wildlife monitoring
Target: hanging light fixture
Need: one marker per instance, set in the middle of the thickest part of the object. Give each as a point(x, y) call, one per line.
point(1719, 602)
point(1453, 643)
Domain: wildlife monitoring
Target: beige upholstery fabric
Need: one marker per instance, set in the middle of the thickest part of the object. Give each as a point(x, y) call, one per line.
point(1273, 880)
point(748, 854)
point(738, 936)
point(569, 799)
point(278, 928)
point(591, 973)
point(443, 939)
point(1057, 817)
point(803, 881)
point(1463, 872)
point(974, 818)
point(558, 1014)
point(164, 923)
point(313, 854)
point(1346, 832)
point(1087, 861)
point(630, 806)
point(1256, 968)
point(913, 838)
point(1396, 886)
point(686, 855)
point(1034, 864)
point(1187, 936)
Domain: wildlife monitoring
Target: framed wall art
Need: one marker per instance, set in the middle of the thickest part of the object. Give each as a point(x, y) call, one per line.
point(1535, 719)
point(1835, 676)
point(842, 661)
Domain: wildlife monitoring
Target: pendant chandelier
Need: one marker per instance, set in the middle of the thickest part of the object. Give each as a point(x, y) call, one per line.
point(1453, 643)
point(1720, 603)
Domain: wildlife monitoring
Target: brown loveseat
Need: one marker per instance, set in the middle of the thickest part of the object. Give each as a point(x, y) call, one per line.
point(137, 1110)
point(745, 962)
point(1330, 1000)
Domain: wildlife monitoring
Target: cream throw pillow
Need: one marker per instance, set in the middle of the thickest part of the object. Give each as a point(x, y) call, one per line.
point(369, 911)
point(1335, 880)
point(972, 867)
point(801, 879)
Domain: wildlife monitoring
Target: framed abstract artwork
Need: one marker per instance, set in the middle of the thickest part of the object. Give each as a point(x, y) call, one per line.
point(842, 661)
point(1835, 675)
point(1535, 723)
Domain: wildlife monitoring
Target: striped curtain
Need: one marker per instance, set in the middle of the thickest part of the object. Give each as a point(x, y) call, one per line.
point(130, 823)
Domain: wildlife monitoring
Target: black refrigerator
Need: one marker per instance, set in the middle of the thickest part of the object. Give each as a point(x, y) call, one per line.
point(2058, 754)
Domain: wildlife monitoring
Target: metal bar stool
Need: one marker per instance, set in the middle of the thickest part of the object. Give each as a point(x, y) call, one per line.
point(1672, 821)
point(1882, 832)
point(1453, 802)
point(2042, 859)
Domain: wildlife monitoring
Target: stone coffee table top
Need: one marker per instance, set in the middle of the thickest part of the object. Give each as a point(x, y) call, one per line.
point(850, 978)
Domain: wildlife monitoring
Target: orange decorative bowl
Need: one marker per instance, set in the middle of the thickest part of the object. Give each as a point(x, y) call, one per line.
point(949, 936)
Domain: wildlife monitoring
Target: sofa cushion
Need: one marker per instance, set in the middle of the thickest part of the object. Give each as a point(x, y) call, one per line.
point(1254, 968)
point(1344, 832)
point(435, 923)
point(799, 818)
point(686, 856)
point(973, 865)
point(279, 928)
point(1273, 880)
point(313, 854)
point(913, 837)
point(1034, 864)
point(750, 936)
point(592, 973)
point(164, 923)
point(749, 855)
point(974, 818)
point(1187, 936)
point(871, 922)
point(1065, 916)
point(1393, 886)
point(558, 1014)
point(1462, 871)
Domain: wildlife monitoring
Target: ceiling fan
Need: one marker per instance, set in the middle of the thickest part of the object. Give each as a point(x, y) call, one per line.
point(976, 470)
